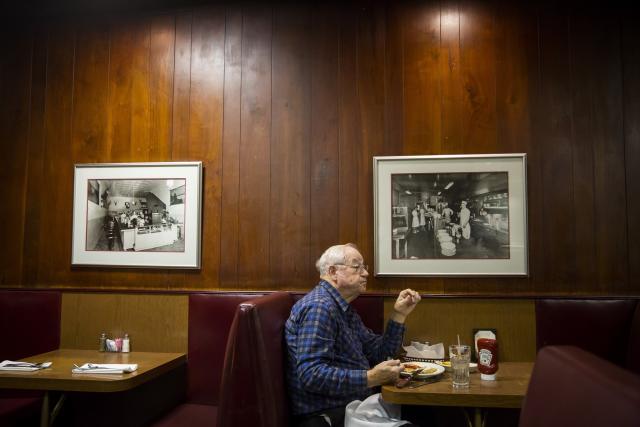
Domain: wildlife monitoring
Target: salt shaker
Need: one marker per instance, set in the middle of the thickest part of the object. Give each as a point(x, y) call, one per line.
point(103, 342)
point(125, 344)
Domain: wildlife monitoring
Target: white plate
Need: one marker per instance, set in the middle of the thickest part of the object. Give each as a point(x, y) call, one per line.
point(426, 366)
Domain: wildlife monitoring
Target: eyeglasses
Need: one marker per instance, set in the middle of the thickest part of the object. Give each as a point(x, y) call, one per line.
point(358, 267)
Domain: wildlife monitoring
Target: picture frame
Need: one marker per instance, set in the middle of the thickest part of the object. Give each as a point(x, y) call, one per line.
point(136, 222)
point(450, 215)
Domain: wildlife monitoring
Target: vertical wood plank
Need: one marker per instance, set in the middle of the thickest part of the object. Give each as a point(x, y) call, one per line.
point(35, 160)
point(161, 57)
point(451, 83)
point(422, 91)
point(90, 106)
point(119, 147)
point(583, 212)
point(631, 85)
point(348, 125)
point(371, 50)
point(290, 156)
point(517, 94)
point(181, 106)
point(324, 149)
point(554, 132)
point(478, 69)
point(598, 68)
point(181, 86)
point(205, 131)
point(140, 100)
point(55, 221)
point(14, 132)
point(393, 104)
point(230, 210)
point(255, 182)
point(90, 96)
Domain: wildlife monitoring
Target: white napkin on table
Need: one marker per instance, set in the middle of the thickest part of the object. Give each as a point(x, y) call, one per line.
point(105, 368)
point(425, 351)
point(10, 365)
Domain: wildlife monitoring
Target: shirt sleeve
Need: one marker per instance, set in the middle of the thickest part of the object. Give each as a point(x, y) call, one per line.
point(315, 344)
point(378, 347)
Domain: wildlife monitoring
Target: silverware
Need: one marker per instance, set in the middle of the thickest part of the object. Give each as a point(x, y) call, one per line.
point(420, 383)
point(24, 365)
point(402, 382)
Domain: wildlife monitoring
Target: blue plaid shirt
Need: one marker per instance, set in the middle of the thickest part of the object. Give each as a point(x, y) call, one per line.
point(330, 351)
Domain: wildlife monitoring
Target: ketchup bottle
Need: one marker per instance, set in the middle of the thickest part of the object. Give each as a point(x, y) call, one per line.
point(487, 358)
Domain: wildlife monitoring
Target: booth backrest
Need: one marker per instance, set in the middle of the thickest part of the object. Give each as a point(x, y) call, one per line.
point(370, 308)
point(633, 355)
point(253, 379)
point(571, 387)
point(210, 318)
point(29, 323)
point(600, 326)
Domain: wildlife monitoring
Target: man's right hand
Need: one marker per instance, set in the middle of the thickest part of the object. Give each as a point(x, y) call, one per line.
point(384, 373)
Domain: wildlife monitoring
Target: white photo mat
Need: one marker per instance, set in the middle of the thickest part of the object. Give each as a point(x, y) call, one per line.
point(513, 164)
point(190, 172)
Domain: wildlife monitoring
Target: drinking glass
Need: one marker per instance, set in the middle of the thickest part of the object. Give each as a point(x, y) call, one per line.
point(460, 355)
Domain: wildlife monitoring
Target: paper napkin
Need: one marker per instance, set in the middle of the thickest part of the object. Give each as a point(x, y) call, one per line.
point(105, 368)
point(10, 365)
point(424, 350)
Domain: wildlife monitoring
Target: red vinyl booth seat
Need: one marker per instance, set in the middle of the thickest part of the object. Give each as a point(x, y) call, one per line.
point(210, 318)
point(571, 387)
point(29, 324)
point(253, 380)
point(606, 327)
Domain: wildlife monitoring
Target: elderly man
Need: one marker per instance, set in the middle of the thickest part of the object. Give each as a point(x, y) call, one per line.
point(330, 351)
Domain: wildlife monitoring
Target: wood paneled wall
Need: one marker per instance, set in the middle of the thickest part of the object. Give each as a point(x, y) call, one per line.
point(287, 103)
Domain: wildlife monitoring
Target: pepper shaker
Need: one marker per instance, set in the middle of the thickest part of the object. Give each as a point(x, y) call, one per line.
point(103, 342)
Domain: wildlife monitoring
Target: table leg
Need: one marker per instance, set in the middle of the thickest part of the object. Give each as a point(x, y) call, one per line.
point(477, 417)
point(48, 417)
point(44, 411)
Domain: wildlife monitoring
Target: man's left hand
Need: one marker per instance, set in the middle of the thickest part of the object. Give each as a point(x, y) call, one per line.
point(406, 302)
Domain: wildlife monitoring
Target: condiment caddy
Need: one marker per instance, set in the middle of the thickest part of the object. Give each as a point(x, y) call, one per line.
point(116, 345)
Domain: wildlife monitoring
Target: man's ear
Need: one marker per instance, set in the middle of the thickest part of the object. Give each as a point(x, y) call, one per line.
point(332, 271)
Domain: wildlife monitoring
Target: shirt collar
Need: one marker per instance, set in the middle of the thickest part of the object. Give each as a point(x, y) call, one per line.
point(342, 303)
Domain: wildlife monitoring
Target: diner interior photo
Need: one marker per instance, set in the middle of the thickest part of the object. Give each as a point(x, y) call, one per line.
point(284, 109)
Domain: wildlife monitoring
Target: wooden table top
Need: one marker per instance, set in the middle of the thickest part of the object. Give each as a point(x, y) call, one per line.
point(507, 391)
point(60, 378)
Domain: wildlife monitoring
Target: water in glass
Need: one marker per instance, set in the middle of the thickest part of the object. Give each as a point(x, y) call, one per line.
point(460, 356)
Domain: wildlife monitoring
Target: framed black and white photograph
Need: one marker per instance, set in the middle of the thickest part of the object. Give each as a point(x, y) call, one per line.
point(450, 215)
point(137, 215)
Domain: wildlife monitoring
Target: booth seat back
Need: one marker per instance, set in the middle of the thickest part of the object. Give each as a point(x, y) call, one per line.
point(633, 355)
point(571, 387)
point(210, 318)
point(600, 326)
point(253, 379)
point(30, 322)
point(370, 308)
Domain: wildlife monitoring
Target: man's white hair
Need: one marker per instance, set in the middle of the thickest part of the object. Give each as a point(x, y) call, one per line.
point(334, 255)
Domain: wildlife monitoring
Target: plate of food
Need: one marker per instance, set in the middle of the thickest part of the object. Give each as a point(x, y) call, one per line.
point(447, 366)
point(426, 369)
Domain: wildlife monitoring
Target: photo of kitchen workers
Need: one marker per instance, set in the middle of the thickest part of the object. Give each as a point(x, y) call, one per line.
point(135, 215)
point(450, 215)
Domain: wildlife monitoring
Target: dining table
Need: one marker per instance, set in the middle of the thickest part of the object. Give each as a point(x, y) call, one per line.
point(60, 378)
point(506, 391)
